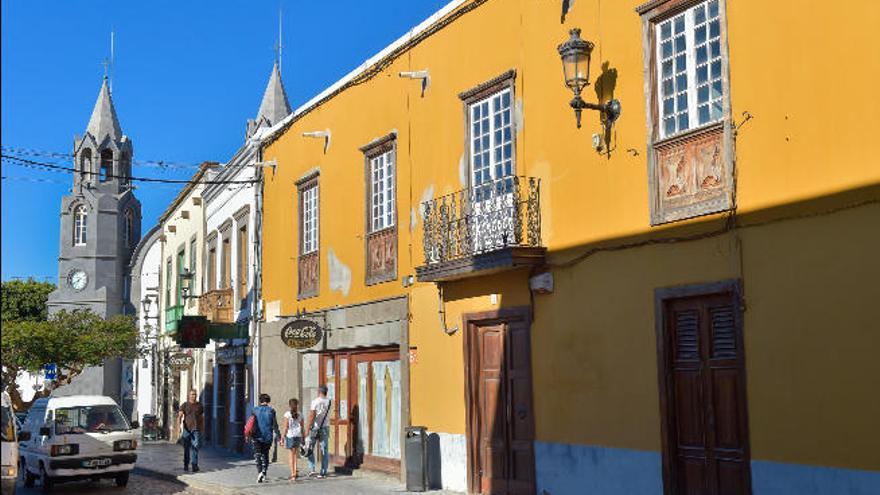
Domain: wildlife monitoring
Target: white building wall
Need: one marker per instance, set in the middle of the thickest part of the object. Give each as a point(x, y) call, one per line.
point(147, 324)
point(235, 205)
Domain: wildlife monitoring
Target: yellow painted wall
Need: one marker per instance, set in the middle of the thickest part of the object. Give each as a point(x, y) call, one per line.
point(808, 80)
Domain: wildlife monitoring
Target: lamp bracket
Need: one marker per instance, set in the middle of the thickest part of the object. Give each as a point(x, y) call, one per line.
point(320, 134)
point(610, 110)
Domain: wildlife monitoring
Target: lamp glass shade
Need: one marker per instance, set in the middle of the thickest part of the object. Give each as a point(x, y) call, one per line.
point(575, 55)
point(576, 66)
point(145, 303)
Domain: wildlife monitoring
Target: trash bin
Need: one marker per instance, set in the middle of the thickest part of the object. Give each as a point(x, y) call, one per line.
point(149, 427)
point(416, 458)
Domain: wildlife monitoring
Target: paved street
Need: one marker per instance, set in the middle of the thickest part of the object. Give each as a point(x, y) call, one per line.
point(232, 475)
point(138, 484)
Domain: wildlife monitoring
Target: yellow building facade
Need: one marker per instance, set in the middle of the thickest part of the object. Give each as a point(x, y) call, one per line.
point(677, 301)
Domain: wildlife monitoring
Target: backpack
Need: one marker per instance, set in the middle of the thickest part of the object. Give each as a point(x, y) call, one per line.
point(250, 426)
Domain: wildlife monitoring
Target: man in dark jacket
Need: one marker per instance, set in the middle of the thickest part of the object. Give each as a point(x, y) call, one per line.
point(265, 426)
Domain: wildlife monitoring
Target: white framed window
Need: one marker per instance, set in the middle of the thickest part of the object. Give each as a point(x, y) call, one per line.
point(309, 205)
point(382, 174)
point(192, 265)
point(689, 69)
point(80, 221)
point(491, 138)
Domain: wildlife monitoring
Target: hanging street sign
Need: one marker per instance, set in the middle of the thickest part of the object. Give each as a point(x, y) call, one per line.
point(230, 355)
point(180, 361)
point(301, 334)
point(192, 332)
point(49, 371)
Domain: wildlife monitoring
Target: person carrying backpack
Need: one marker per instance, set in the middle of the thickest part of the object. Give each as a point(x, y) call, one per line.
point(260, 428)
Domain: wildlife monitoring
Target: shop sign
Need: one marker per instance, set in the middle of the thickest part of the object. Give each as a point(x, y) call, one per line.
point(180, 361)
point(301, 334)
point(230, 355)
point(192, 332)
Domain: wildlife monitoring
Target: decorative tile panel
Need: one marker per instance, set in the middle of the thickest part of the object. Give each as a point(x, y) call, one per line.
point(692, 176)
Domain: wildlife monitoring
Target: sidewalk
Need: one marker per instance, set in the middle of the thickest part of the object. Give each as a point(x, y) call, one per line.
point(223, 473)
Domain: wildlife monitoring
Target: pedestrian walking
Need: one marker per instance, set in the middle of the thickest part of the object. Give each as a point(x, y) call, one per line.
point(319, 433)
point(292, 435)
point(192, 423)
point(263, 425)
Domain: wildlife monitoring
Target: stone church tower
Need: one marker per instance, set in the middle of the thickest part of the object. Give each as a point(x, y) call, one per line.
point(100, 227)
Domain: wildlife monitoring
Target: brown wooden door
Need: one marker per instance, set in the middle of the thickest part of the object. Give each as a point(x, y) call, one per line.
point(503, 426)
point(705, 415)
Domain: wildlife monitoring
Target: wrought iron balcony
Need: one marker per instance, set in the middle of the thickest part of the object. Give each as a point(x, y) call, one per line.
point(217, 305)
point(173, 315)
point(487, 228)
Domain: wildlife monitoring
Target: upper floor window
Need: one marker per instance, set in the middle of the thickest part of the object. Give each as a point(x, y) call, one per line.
point(690, 68)
point(689, 158)
point(168, 283)
point(180, 269)
point(226, 260)
point(491, 138)
point(382, 191)
point(212, 265)
point(381, 213)
point(242, 248)
point(80, 222)
point(308, 263)
point(309, 219)
point(192, 266)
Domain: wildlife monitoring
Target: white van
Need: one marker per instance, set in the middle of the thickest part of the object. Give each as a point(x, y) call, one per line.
point(10, 446)
point(76, 437)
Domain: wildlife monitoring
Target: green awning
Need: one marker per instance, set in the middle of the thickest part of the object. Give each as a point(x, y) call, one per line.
point(219, 331)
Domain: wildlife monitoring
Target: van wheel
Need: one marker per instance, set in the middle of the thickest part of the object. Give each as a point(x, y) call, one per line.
point(45, 480)
point(26, 476)
point(122, 479)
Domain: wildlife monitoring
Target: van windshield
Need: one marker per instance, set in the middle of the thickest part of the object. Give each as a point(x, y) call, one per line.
point(89, 419)
point(8, 425)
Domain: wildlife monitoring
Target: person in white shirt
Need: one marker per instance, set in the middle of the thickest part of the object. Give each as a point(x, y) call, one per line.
point(319, 429)
point(292, 433)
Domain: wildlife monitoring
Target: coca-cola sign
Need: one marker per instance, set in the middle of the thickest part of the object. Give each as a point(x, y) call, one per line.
point(301, 334)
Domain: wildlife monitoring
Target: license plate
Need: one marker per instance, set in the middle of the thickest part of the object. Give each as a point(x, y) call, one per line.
point(96, 462)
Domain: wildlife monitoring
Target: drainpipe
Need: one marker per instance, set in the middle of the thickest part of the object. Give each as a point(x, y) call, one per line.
point(257, 306)
point(441, 310)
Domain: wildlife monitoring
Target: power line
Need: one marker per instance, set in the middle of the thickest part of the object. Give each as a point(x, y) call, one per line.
point(52, 166)
point(34, 179)
point(55, 154)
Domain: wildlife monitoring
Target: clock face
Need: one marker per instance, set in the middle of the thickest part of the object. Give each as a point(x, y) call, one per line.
point(78, 279)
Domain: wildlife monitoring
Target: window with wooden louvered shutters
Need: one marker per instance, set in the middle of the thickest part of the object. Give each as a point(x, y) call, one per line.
point(706, 432)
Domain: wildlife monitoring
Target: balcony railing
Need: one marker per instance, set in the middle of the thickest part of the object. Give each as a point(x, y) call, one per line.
point(502, 217)
point(217, 305)
point(173, 315)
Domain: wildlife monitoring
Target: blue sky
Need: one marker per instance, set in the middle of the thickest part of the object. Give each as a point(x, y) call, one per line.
point(187, 76)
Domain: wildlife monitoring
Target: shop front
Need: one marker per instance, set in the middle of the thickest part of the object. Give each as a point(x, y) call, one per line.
point(358, 357)
point(229, 390)
point(365, 416)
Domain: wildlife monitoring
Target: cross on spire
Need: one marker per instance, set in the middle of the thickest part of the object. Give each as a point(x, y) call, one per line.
point(108, 62)
point(278, 44)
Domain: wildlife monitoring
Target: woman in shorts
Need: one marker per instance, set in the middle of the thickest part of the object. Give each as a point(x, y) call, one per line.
point(292, 434)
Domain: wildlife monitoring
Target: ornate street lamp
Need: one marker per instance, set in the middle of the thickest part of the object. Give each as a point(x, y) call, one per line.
point(146, 303)
point(575, 54)
point(186, 279)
